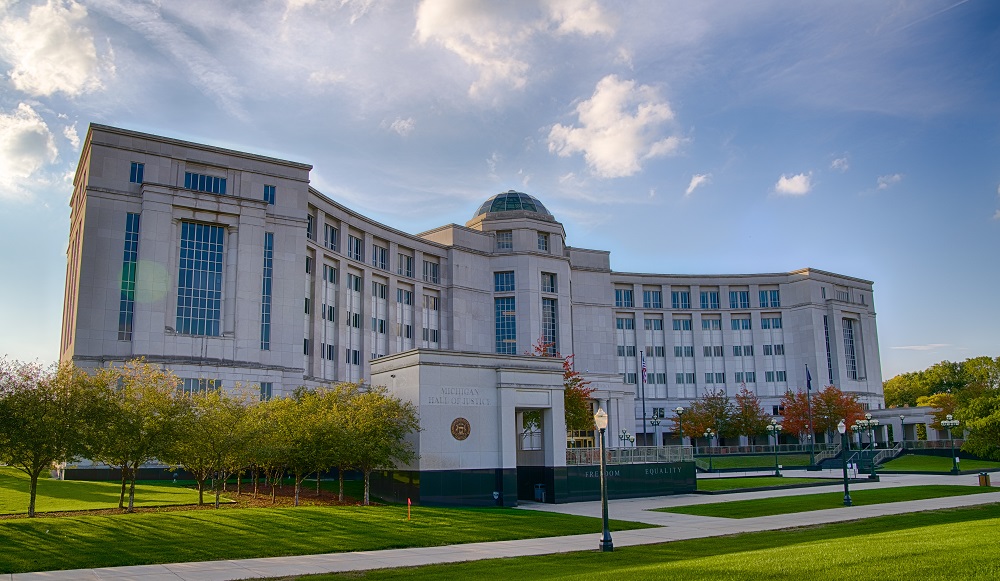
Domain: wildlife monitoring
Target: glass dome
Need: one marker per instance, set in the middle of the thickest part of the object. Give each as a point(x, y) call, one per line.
point(512, 201)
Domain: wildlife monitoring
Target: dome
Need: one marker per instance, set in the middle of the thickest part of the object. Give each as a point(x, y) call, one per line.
point(511, 201)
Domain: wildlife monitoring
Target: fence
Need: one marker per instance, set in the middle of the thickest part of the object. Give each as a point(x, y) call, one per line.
point(633, 455)
point(932, 444)
point(782, 448)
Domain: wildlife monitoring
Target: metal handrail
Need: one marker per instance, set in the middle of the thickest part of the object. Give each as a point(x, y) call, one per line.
point(632, 455)
point(887, 453)
point(764, 449)
point(826, 454)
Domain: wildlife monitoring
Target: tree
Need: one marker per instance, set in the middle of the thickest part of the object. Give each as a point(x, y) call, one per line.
point(945, 404)
point(576, 398)
point(981, 419)
point(905, 389)
point(712, 410)
point(749, 418)
point(829, 406)
point(378, 427)
point(139, 419)
point(44, 417)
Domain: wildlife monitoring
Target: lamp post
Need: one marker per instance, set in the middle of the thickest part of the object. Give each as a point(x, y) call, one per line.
point(902, 429)
point(842, 428)
point(708, 436)
point(623, 437)
point(774, 428)
point(655, 422)
point(872, 424)
point(680, 425)
point(601, 421)
point(949, 422)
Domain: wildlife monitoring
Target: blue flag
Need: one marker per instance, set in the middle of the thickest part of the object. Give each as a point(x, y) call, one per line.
point(809, 380)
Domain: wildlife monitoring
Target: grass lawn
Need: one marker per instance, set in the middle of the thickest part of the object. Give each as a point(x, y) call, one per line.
point(807, 502)
point(65, 495)
point(716, 484)
point(937, 545)
point(165, 537)
point(921, 463)
point(758, 461)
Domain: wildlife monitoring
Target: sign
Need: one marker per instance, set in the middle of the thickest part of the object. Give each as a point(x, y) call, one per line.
point(460, 429)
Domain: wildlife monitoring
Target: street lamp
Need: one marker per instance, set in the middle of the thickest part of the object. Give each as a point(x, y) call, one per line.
point(680, 425)
point(655, 422)
point(842, 428)
point(601, 421)
point(774, 428)
point(902, 429)
point(708, 436)
point(623, 437)
point(950, 423)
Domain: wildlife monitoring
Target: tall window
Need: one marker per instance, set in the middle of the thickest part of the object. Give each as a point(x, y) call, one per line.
point(682, 324)
point(543, 241)
point(135, 173)
point(432, 272)
point(829, 357)
point(770, 322)
point(204, 183)
point(311, 227)
point(126, 306)
point(769, 299)
point(623, 298)
point(739, 299)
point(266, 390)
point(550, 320)
point(652, 299)
point(503, 281)
point(269, 194)
point(740, 323)
point(265, 293)
point(404, 266)
point(506, 325)
point(505, 240)
point(355, 249)
point(680, 299)
point(199, 287)
point(710, 299)
point(331, 237)
point(850, 357)
point(380, 257)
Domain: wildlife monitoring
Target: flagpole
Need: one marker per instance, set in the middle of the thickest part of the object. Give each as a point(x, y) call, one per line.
point(643, 390)
point(812, 432)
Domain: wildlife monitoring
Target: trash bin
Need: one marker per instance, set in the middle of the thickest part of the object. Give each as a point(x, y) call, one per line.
point(984, 479)
point(539, 493)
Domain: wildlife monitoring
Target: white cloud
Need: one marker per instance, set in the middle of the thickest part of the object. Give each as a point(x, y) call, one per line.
point(26, 146)
point(841, 164)
point(697, 179)
point(796, 185)
point(51, 51)
point(620, 126)
point(888, 180)
point(401, 126)
point(927, 347)
point(997, 215)
point(69, 132)
point(321, 78)
point(495, 37)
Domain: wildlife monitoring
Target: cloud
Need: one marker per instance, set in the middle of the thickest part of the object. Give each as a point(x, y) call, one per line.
point(26, 146)
point(796, 185)
point(697, 179)
point(841, 164)
point(495, 38)
point(69, 132)
point(620, 126)
point(927, 347)
point(51, 51)
point(401, 126)
point(888, 180)
point(997, 215)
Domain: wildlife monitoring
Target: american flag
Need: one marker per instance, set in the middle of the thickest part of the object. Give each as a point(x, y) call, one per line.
point(643, 368)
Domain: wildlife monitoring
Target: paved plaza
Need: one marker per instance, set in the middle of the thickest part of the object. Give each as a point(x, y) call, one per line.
point(670, 527)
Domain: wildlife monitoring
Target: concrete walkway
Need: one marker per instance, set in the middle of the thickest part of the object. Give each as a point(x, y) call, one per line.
point(670, 527)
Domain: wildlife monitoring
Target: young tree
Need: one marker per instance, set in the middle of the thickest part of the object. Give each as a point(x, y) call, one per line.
point(829, 406)
point(712, 410)
point(576, 398)
point(749, 418)
point(379, 425)
point(982, 420)
point(45, 417)
point(945, 404)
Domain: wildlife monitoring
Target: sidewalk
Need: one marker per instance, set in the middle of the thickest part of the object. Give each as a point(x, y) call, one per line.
point(671, 527)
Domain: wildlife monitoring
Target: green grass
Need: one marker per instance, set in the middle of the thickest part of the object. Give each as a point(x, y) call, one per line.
point(758, 461)
point(921, 463)
point(200, 535)
point(67, 495)
point(808, 502)
point(938, 545)
point(717, 484)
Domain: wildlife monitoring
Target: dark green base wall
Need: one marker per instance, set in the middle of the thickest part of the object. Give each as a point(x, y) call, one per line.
point(564, 484)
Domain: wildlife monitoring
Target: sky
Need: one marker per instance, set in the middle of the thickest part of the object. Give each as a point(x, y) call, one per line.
point(698, 137)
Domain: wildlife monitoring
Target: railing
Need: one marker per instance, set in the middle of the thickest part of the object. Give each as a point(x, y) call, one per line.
point(740, 450)
point(635, 455)
point(888, 453)
point(827, 454)
point(932, 444)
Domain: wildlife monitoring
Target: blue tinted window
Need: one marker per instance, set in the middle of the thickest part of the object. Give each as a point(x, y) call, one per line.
point(130, 260)
point(199, 279)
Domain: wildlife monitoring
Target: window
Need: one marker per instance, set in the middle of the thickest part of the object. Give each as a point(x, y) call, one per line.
point(199, 276)
point(739, 299)
point(626, 351)
point(307, 305)
point(656, 350)
point(850, 357)
point(379, 290)
point(331, 237)
point(503, 281)
point(652, 299)
point(843, 295)
point(404, 296)
point(135, 173)
point(780, 375)
point(353, 356)
point(623, 298)
point(711, 324)
point(709, 377)
point(506, 325)
point(380, 257)
point(309, 265)
point(404, 266)
point(327, 351)
point(353, 282)
point(330, 274)
point(550, 320)
point(354, 320)
point(712, 350)
point(355, 249)
point(548, 282)
point(505, 240)
point(769, 299)
point(745, 377)
point(822, 291)
point(432, 335)
point(328, 312)
point(684, 378)
point(653, 324)
point(432, 272)
point(682, 324)
point(432, 303)
point(710, 299)
point(269, 194)
point(406, 331)
point(266, 390)
point(310, 227)
point(829, 357)
point(773, 376)
point(625, 323)
point(130, 259)
point(200, 385)
point(378, 325)
point(683, 351)
point(779, 349)
point(265, 292)
point(680, 299)
point(305, 347)
point(543, 241)
point(204, 183)
point(631, 378)
point(770, 322)
point(661, 378)
point(740, 323)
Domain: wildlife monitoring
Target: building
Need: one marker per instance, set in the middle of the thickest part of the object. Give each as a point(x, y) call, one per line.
point(227, 267)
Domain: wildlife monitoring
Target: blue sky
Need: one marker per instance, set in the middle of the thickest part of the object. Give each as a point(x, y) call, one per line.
point(685, 137)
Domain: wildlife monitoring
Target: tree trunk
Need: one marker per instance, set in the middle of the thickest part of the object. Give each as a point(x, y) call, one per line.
point(256, 479)
point(201, 491)
point(121, 497)
point(367, 475)
point(317, 484)
point(298, 486)
point(217, 493)
point(340, 477)
point(33, 488)
point(238, 477)
point(133, 472)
